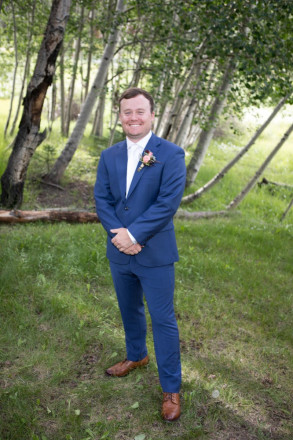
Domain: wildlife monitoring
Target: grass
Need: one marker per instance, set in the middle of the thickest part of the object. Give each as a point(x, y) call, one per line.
point(61, 327)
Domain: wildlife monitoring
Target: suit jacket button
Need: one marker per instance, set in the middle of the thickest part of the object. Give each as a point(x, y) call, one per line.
point(126, 208)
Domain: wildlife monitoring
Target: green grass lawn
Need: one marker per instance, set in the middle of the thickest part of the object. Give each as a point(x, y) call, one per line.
point(61, 327)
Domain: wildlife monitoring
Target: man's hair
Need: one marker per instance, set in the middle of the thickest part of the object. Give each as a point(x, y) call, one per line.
point(135, 91)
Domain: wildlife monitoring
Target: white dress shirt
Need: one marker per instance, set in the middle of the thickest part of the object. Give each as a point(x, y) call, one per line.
point(134, 152)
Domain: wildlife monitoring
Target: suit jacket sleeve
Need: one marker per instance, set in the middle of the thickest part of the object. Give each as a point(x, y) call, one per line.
point(159, 214)
point(105, 204)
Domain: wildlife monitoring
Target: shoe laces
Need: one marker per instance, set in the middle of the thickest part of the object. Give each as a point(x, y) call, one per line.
point(169, 396)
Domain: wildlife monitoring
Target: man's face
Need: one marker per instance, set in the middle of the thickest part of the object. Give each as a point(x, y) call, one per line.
point(136, 117)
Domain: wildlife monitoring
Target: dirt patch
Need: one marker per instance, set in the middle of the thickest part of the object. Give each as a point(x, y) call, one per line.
point(77, 194)
point(86, 366)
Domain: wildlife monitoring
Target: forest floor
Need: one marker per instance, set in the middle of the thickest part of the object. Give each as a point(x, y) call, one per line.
point(77, 194)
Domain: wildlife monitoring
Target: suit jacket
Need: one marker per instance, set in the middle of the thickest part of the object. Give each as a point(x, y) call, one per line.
point(153, 198)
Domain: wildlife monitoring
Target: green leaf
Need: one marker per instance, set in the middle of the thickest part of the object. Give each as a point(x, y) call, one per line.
point(139, 437)
point(135, 405)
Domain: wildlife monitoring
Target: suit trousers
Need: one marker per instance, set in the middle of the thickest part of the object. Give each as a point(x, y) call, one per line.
point(131, 282)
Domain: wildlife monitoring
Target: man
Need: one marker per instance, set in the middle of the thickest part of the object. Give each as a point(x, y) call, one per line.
point(140, 182)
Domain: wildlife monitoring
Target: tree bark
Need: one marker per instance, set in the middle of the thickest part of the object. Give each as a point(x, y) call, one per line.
point(193, 76)
point(48, 215)
point(60, 215)
point(179, 99)
point(67, 154)
point(195, 130)
point(186, 123)
point(207, 134)
point(74, 73)
point(89, 59)
point(98, 126)
point(52, 108)
point(132, 83)
point(29, 137)
point(252, 182)
point(286, 210)
point(62, 92)
point(163, 108)
point(223, 172)
point(137, 72)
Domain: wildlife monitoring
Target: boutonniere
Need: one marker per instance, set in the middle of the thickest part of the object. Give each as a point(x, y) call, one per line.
point(147, 159)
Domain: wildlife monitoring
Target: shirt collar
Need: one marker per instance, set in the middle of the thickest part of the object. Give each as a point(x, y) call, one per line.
point(142, 143)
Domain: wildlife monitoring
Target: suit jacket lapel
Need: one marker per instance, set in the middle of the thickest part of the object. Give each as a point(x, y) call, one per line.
point(152, 145)
point(121, 166)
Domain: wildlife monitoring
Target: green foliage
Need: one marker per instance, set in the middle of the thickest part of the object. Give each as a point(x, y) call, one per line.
point(4, 143)
point(4, 153)
point(30, 21)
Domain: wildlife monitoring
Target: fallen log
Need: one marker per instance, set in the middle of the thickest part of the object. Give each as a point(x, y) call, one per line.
point(181, 213)
point(51, 215)
point(17, 216)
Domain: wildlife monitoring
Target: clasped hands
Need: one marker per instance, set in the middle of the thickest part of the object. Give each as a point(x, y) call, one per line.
point(123, 242)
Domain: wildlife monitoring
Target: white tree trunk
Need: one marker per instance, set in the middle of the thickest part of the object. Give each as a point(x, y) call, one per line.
point(98, 126)
point(207, 135)
point(165, 123)
point(259, 172)
point(192, 134)
point(67, 154)
point(221, 174)
point(62, 92)
point(287, 210)
point(178, 101)
point(74, 72)
point(91, 46)
point(186, 124)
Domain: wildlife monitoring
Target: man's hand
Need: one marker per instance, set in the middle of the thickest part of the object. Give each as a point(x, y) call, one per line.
point(133, 250)
point(122, 241)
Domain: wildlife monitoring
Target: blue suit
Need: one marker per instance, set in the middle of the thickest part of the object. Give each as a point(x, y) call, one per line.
point(147, 212)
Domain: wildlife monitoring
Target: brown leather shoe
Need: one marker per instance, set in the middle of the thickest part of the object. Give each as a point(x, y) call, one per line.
point(124, 367)
point(171, 407)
